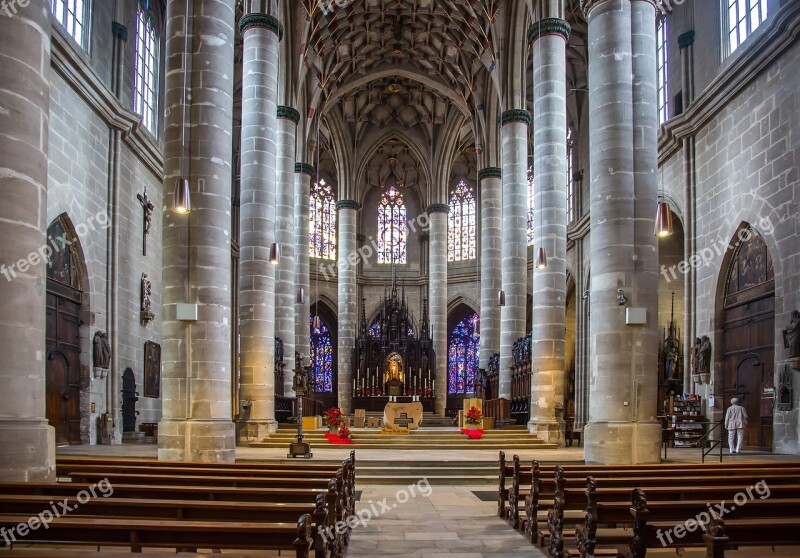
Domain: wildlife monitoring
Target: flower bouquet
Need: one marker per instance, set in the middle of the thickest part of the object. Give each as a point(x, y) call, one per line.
point(333, 418)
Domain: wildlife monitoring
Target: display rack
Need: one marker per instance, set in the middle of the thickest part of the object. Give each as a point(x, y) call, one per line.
point(687, 420)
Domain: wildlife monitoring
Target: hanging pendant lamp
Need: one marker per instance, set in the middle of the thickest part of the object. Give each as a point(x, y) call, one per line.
point(663, 227)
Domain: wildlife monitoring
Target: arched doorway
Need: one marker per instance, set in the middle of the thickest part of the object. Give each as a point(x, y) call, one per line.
point(63, 367)
point(748, 335)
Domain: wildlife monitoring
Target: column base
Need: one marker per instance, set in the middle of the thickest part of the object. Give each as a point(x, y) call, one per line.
point(209, 441)
point(622, 443)
point(254, 430)
point(27, 451)
point(550, 432)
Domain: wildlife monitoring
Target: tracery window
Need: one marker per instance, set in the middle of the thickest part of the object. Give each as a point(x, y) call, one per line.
point(744, 17)
point(530, 205)
point(462, 356)
point(322, 212)
point(662, 42)
point(72, 15)
point(570, 172)
point(321, 357)
point(146, 59)
point(392, 227)
point(462, 224)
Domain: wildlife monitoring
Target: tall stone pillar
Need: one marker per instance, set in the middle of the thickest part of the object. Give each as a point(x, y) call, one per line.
point(437, 277)
point(622, 424)
point(27, 442)
point(347, 267)
point(302, 310)
point(196, 355)
point(514, 138)
point(284, 236)
point(491, 197)
point(549, 37)
point(257, 218)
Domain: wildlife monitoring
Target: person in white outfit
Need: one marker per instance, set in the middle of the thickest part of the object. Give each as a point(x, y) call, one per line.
point(735, 421)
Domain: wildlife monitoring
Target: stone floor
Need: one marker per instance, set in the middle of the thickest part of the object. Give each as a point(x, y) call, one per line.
point(434, 521)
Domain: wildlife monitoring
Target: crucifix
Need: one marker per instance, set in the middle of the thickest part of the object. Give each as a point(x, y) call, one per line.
point(148, 208)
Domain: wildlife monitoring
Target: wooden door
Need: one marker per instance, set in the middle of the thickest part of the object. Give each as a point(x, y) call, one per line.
point(748, 337)
point(63, 369)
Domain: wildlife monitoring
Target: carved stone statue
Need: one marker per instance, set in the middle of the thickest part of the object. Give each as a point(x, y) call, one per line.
point(362, 361)
point(102, 350)
point(791, 335)
point(147, 305)
point(671, 363)
point(696, 356)
point(704, 358)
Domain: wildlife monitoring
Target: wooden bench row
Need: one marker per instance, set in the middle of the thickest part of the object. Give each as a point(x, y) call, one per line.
point(209, 508)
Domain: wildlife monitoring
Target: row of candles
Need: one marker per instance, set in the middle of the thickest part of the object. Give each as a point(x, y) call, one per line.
point(370, 387)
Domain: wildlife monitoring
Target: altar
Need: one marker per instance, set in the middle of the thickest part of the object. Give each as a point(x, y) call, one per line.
point(377, 404)
point(403, 415)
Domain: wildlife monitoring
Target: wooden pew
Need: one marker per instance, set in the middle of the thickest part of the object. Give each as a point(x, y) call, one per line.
point(759, 525)
point(613, 507)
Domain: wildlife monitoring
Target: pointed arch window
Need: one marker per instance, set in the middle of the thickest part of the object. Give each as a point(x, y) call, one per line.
point(570, 173)
point(662, 45)
point(73, 16)
point(145, 83)
point(322, 212)
point(530, 205)
point(321, 356)
point(392, 227)
point(462, 224)
point(462, 356)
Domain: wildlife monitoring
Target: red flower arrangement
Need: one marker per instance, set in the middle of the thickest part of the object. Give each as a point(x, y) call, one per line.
point(344, 432)
point(473, 416)
point(333, 416)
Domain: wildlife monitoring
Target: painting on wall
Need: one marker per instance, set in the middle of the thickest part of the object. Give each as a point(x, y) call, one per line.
point(152, 369)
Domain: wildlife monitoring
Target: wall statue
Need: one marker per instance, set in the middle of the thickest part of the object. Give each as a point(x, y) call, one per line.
point(147, 305)
point(703, 360)
point(791, 335)
point(102, 351)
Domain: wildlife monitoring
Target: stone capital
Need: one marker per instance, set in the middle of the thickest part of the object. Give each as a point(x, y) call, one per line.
point(515, 115)
point(288, 113)
point(348, 204)
point(490, 172)
point(549, 26)
point(686, 39)
point(263, 21)
point(438, 208)
point(119, 31)
point(304, 168)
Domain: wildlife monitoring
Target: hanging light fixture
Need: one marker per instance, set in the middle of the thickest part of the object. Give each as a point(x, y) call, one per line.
point(317, 323)
point(501, 298)
point(300, 298)
point(541, 258)
point(663, 220)
point(181, 197)
point(275, 254)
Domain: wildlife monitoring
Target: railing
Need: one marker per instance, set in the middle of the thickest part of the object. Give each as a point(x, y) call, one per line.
point(311, 407)
point(704, 439)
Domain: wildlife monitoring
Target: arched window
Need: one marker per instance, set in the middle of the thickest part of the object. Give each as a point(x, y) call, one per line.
point(743, 17)
point(462, 356)
point(530, 205)
point(662, 50)
point(145, 83)
point(73, 16)
point(392, 227)
point(322, 212)
point(570, 173)
point(461, 227)
point(321, 357)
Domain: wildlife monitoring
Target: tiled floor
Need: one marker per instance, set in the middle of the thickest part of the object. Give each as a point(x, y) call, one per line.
point(438, 521)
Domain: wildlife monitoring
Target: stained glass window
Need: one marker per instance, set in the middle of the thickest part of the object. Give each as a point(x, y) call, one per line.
point(462, 356)
point(72, 14)
point(146, 58)
point(530, 205)
point(461, 226)
point(744, 17)
point(321, 357)
point(322, 214)
point(392, 227)
point(662, 42)
point(570, 173)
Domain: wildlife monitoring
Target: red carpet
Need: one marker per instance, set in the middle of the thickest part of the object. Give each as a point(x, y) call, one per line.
point(473, 434)
point(335, 439)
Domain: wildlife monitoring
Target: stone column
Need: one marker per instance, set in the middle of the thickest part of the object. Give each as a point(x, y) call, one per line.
point(622, 402)
point(514, 138)
point(491, 197)
point(257, 300)
point(302, 311)
point(27, 442)
point(284, 236)
point(347, 267)
point(549, 37)
point(196, 355)
point(437, 289)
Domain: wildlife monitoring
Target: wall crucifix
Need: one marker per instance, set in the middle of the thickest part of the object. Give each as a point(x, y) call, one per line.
point(147, 220)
